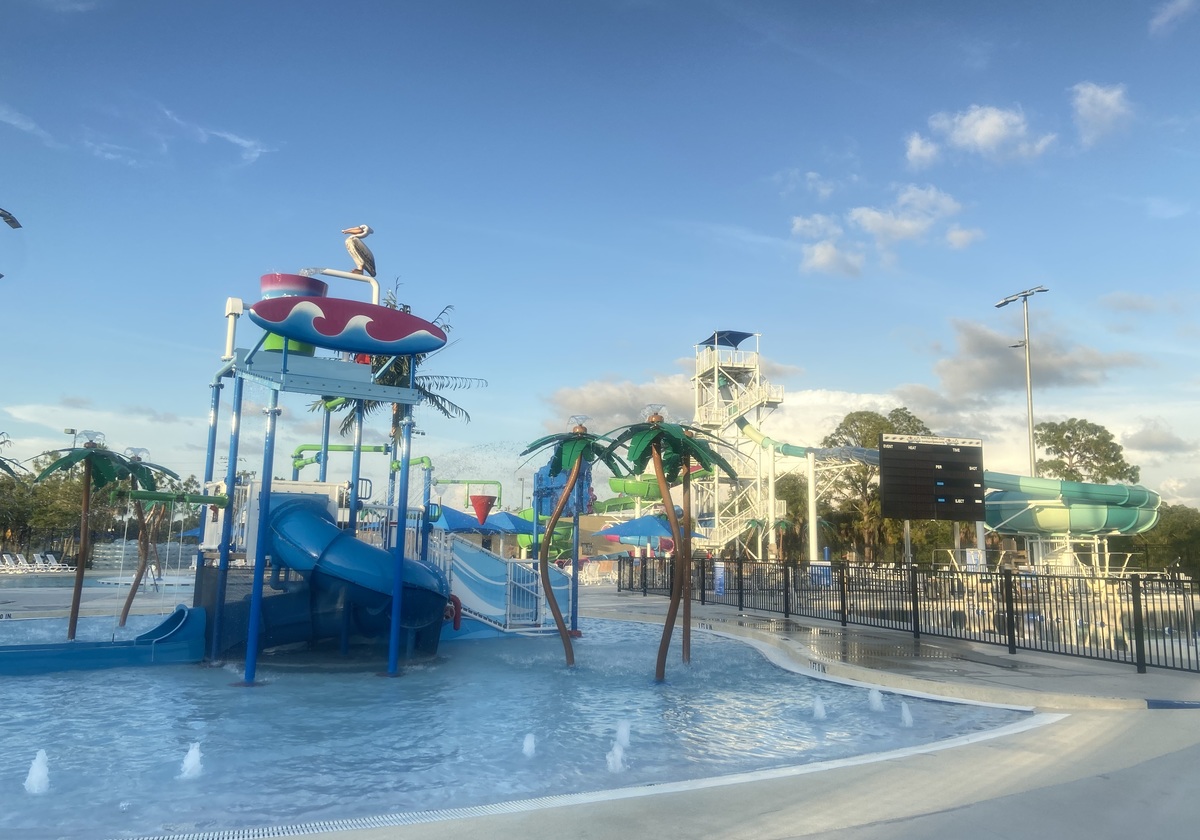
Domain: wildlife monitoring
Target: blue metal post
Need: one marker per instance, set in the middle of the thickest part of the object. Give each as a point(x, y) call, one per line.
point(355, 467)
point(398, 549)
point(323, 464)
point(575, 560)
point(210, 458)
point(227, 520)
point(541, 595)
point(260, 553)
point(426, 525)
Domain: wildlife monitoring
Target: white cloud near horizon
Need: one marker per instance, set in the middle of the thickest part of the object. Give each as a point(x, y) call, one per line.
point(1155, 435)
point(1168, 14)
point(1099, 110)
point(993, 133)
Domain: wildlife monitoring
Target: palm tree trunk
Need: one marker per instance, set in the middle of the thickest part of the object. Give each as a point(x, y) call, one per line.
point(664, 645)
point(85, 546)
point(144, 536)
point(685, 577)
point(544, 561)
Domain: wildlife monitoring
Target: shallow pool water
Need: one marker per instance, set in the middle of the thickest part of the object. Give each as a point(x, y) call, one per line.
point(485, 722)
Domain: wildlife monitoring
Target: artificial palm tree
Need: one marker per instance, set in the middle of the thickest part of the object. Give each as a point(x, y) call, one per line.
point(673, 449)
point(8, 465)
point(571, 451)
point(100, 467)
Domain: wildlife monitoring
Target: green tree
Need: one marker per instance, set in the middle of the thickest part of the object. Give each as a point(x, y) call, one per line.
point(1082, 451)
point(857, 486)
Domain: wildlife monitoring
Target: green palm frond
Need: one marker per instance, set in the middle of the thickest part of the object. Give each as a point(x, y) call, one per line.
point(109, 467)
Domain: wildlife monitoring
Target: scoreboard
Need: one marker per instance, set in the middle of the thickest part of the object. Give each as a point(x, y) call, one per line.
point(931, 478)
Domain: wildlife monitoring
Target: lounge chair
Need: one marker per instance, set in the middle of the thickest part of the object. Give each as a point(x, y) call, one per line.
point(45, 564)
point(25, 565)
point(8, 564)
point(55, 564)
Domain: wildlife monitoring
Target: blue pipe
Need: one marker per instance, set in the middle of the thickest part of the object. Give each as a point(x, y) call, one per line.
point(260, 552)
point(210, 458)
point(227, 520)
point(355, 467)
point(398, 549)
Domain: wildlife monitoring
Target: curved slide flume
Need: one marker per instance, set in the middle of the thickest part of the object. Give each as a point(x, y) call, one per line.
point(1018, 504)
point(305, 537)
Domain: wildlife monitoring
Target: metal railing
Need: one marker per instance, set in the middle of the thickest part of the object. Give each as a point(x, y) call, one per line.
point(1146, 620)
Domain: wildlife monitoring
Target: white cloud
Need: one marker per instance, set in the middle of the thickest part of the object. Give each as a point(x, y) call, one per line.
point(1165, 208)
point(1155, 435)
point(23, 123)
point(994, 133)
point(817, 185)
point(914, 212)
point(816, 226)
point(1099, 110)
point(920, 152)
point(827, 258)
point(959, 237)
point(251, 150)
point(1170, 13)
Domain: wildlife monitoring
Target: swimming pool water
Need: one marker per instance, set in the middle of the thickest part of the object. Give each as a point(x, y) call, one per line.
point(485, 722)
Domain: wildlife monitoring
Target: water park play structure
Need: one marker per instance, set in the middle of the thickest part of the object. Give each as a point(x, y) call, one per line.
point(1061, 521)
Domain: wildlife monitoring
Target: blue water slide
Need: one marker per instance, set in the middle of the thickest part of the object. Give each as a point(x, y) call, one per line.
point(305, 537)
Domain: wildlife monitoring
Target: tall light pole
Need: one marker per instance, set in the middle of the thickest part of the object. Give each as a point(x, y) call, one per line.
point(1024, 298)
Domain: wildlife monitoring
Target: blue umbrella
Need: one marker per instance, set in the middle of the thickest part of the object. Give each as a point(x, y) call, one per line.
point(458, 522)
point(509, 523)
point(650, 525)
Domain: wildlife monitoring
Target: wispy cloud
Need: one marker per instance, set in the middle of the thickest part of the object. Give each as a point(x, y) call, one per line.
point(959, 237)
point(1154, 435)
point(251, 150)
point(19, 121)
point(68, 6)
point(816, 226)
point(1168, 14)
point(1099, 110)
point(994, 133)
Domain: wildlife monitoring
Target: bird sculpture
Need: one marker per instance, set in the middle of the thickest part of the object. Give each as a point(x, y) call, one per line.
point(9, 219)
point(364, 260)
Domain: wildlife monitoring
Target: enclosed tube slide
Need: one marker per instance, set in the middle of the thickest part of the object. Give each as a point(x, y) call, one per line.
point(1023, 505)
point(1040, 506)
point(305, 537)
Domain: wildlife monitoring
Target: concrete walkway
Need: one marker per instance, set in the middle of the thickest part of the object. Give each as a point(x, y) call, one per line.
point(1109, 768)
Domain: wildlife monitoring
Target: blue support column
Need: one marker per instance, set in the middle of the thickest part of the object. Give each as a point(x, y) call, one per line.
point(260, 553)
point(227, 519)
point(575, 559)
point(323, 464)
point(398, 549)
point(210, 458)
point(426, 525)
point(355, 467)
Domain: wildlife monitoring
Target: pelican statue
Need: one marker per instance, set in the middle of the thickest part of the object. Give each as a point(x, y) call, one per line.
point(359, 252)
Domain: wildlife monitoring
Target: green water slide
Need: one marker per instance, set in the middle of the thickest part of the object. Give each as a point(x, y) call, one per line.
point(1017, 504)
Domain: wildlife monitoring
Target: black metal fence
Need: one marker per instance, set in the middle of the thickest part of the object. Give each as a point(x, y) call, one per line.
point(1144, 620)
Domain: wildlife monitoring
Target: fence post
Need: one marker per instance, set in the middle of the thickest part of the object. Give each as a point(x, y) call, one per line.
point(703, 580)
point(741, 587)
point(787, 592)
point(642, 564)
point(1139, 626)
point(843, 591)
point(916, 605)
point(1010, 611)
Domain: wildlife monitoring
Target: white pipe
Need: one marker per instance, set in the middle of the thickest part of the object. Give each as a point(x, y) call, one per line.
point(233, 308)
point(811, 458)
point(362, 278)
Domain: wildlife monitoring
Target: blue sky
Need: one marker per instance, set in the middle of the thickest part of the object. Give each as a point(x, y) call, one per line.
point(595, 187)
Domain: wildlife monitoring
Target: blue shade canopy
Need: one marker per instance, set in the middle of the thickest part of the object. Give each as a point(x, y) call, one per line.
point(459, 522)
point(725, 338)
point(509, 523)
point(651, 525)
